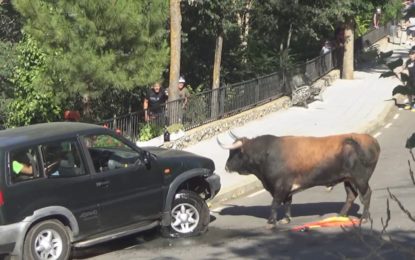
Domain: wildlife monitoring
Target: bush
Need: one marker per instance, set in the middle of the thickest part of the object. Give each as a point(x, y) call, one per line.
point(149, 131)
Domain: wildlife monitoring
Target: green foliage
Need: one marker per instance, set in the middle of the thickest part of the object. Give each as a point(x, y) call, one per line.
point(363, 24)
point(94, 47)
point(175, 128)
point(149, 131)
point(10, 23)
point(202, 22)
point(107, 141)
point(30, 103)
point(8, 58)
point(392, 10)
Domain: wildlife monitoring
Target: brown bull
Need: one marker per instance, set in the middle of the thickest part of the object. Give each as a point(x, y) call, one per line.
point(288, 164)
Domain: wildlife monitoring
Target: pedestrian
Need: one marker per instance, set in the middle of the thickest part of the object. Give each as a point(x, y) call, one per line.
point(326, 48)
point(409, 65)
point(183, 99)
point(376, 18)
point(183, 92)
point(410, 30)
point(153, 102)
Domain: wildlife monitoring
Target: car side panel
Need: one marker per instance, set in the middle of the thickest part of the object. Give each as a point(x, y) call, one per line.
point(133, 195)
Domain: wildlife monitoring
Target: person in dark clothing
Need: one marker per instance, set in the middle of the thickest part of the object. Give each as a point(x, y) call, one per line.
point(153, 102)
point(409, 65)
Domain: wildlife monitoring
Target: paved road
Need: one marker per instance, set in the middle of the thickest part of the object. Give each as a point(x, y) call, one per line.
point(238, 228)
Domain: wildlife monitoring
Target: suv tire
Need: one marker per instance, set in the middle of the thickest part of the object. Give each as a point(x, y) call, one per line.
point(47, 240)
point(190, 216)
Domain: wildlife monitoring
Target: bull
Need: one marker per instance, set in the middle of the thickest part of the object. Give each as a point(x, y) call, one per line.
point(289, 164)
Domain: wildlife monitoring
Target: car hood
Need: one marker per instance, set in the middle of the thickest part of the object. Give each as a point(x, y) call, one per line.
point(185, 160)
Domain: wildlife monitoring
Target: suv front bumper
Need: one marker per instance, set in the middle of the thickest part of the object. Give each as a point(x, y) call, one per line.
point(214, 184)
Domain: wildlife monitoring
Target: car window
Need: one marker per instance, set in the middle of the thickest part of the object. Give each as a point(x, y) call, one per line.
point(62, 159)
point(24, 164)
point(110, 153)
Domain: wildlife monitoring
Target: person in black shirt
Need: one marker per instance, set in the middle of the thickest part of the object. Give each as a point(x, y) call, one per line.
point(153, 102)
point(409, 65)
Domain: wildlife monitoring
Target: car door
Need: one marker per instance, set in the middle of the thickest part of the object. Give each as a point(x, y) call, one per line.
point(132, 193)
point(59, 179)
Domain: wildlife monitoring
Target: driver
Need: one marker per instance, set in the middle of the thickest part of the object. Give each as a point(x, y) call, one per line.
point(24, 168)
point(21, 165)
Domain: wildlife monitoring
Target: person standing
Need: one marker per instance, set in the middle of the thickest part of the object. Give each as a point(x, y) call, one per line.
point(409, 65)
point(326, 47)
point(183, 92)
point(153, 102)
point(376, 18)
point(183, 98)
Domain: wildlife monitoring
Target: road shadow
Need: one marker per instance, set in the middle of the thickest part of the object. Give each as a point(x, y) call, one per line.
point(297, 210)
point(352, 243)
point(151, 237)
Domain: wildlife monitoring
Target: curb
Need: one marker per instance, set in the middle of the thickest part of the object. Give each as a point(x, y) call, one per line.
point(382, 118)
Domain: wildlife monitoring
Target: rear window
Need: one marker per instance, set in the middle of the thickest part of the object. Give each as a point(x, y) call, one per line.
point(53, 160)
point(24, 164)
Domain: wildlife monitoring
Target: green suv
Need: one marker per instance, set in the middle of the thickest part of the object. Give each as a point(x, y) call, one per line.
point(74, 184)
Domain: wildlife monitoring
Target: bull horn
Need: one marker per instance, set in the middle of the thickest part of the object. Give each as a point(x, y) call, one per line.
point(233, 135)
point(235, 145)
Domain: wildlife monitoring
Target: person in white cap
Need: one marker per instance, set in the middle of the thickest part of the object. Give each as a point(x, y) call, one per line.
point(183, 98)
point(183, 92)
point(376, 17)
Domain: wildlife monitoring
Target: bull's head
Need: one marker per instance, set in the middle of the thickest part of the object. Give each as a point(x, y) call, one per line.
point(237, 160)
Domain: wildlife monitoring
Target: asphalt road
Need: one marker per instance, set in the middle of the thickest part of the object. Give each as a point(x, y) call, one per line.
point(238, 228)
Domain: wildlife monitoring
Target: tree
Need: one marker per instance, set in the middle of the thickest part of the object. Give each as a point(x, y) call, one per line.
point(10, 35)
point(10, 23)
point(175, 48)
point(30, 105)
point(94, 47)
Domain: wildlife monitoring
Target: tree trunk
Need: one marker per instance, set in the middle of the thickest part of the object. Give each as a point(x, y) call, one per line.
point(290, 32)
point(175, 48)
point(175, 51)
point(348, 59)
point(243, 18)
point(216, 75)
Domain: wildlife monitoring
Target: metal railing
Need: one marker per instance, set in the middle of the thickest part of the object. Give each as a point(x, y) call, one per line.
point(230, 99)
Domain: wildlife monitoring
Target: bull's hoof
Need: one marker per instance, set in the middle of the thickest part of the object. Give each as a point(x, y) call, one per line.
point(284, 221)
point(329, 188)
point(364, 220)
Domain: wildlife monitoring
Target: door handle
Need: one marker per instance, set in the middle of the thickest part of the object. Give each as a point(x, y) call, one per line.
point(103, 184)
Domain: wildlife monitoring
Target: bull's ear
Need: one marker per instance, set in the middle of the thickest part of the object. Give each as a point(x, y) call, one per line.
point(243, 140)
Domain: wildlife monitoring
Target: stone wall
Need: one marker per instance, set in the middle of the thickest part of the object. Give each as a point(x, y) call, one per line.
point(212, 129)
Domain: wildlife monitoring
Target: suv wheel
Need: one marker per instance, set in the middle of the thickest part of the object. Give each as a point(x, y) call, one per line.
point(190, 216)
point(47, 240)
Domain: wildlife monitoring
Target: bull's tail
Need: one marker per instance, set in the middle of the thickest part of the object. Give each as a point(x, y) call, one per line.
point(367, 155)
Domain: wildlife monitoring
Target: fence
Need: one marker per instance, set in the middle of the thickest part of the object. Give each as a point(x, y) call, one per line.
point(230, 99)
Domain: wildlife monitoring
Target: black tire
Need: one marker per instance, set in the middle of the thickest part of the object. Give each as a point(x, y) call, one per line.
point(59, 241)
point(194, 209)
